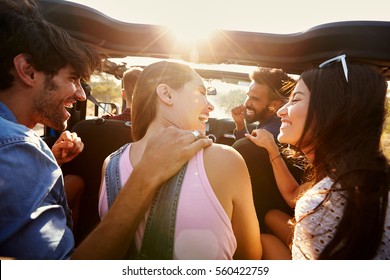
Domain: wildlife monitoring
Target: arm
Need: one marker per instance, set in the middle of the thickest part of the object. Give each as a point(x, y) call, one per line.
point(244, 220)
point(112, 237)
point(33, 204)
point(238, 114)
point(229, 177)
point(288, 186)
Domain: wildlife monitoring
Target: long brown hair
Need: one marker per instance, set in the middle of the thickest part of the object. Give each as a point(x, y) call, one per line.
point(144, 107)
point(344, 126)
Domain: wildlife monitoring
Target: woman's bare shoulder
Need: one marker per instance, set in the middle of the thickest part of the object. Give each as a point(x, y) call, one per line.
point(222, 154)
point(221, 150)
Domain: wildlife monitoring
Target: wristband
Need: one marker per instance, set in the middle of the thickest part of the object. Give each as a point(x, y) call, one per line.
point(272, 159)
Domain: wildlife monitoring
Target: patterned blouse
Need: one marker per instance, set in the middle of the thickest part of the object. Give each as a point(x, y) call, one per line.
point(316, 230)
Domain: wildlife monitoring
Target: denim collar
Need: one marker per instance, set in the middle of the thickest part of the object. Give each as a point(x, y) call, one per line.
point(6, 113)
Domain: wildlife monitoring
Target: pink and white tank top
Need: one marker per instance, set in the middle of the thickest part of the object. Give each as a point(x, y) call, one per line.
point(203, 229)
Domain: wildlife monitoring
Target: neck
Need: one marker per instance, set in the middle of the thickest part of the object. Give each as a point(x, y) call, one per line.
point(310, 155)
point(21, 107)
point(154, 127)
point(138, 148)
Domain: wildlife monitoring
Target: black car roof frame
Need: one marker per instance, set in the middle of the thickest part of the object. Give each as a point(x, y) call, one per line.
point(365, 41)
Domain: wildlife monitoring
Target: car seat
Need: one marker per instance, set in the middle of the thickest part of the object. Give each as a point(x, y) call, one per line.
point(101, 137)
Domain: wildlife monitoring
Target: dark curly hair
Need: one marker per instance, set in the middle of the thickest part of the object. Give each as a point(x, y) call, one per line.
point(279, 83)
point(49, 48)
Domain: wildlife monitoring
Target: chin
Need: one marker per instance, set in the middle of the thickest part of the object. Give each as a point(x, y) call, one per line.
point(283, 139)
point(60, 126)
point(287, 140)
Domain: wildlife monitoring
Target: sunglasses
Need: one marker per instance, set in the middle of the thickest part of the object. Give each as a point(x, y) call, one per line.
point(337, 59)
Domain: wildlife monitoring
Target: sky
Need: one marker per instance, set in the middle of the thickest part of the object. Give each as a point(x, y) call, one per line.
point(271, 16)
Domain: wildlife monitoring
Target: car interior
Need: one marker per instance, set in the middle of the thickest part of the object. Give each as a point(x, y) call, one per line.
point(364, 41)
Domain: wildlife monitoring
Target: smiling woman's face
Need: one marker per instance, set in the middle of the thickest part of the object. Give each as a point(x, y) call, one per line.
point(191, 105)
point(293, 115)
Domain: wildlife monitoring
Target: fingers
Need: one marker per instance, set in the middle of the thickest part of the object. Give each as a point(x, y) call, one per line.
point(67, 135)
point(70, 144)
point(239, 109)
point(238, 114)
point(249, 136)
point(196, 141)
point(260, 132)
point(64, 145)
point(254, 135)
point(168, 150)
point(263, 138)
point(200, 144)
point(196, 134)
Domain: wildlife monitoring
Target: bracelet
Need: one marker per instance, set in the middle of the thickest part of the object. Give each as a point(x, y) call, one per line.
point(272, 159)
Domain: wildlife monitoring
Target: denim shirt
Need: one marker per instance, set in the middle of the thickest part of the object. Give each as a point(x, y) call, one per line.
point(35, 221)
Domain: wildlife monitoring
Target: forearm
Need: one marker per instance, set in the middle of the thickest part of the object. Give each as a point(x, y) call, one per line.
point(112, 237)
point(286, 182)
point(240, 125)
point(239, 134)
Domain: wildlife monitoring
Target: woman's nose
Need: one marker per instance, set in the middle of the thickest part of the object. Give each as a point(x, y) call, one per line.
point(210, 106)
point(282, 111)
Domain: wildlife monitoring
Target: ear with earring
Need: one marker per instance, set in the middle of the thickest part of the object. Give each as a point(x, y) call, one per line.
point(271, 108)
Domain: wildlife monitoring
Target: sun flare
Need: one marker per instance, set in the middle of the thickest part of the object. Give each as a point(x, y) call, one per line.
point(191, 33)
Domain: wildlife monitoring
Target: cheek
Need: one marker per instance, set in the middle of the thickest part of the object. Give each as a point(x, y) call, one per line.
point(259, 105)
point(201, 101)
point(300, 119)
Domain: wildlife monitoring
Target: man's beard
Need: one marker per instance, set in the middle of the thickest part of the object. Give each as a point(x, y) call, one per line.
point(47, 106)
point(258, 116)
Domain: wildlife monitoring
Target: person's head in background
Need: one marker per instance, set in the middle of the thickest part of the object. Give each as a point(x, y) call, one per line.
point(269, 90)
point(129, 78)
point(41, 66)
point(169, 94)
point(336, 116)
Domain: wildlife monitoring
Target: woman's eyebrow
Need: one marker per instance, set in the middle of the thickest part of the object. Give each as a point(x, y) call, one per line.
point(295, 93)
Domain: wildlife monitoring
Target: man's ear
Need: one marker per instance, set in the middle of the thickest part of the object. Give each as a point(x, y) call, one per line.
point(164, 93)
point(25, 71)
point(275, 105)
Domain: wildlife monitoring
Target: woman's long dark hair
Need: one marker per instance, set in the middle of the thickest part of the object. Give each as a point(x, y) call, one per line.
point(344, 127)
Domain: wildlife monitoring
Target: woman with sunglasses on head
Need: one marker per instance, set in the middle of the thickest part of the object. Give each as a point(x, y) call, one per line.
point(335, 116)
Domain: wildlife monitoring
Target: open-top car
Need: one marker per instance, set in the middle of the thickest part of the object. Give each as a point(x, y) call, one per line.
point(224, 62)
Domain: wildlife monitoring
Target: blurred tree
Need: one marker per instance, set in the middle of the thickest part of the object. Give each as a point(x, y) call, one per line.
point(106, 89)
point(228, 100)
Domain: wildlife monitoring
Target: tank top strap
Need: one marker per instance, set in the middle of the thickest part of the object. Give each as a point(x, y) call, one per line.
point(112, 175)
